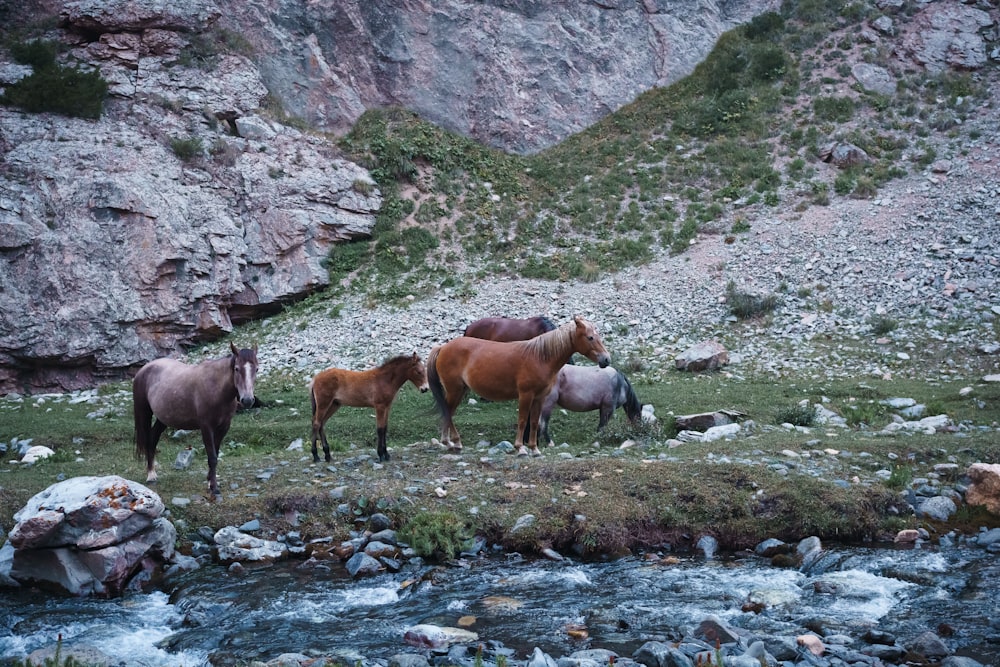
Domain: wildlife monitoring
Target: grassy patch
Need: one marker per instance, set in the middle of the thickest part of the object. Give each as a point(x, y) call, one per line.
point(646, 494)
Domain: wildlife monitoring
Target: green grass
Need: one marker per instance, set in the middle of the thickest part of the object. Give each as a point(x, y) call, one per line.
point(650, 491)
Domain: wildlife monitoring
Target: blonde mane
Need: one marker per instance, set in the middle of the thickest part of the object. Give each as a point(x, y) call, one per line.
point(552, 343)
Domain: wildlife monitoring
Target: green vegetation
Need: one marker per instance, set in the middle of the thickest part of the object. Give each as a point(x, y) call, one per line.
point(695, 156)
point(746, 306)
point(52, 87)
point(187, 149)
point(631, 496)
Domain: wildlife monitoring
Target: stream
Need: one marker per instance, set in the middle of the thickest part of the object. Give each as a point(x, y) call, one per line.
point(214, 617)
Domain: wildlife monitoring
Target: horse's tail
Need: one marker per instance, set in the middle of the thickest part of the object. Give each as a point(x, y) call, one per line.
point(312, 397)
point(547, 324)
point(142, 412)
point(434, 382)
point(633, 406)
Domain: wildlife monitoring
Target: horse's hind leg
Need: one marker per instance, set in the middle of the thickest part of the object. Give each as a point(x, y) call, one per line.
point(381, 430)
point(607, 410)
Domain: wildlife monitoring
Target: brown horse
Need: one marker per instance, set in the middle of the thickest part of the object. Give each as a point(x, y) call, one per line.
point(508, 329)
point(522, 370)
point(167, 392)
point(376, 388)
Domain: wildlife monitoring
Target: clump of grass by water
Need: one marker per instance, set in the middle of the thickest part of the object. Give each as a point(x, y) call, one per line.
point(439, 534)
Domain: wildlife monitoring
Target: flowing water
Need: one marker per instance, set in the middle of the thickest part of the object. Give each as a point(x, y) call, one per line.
point(212, 616)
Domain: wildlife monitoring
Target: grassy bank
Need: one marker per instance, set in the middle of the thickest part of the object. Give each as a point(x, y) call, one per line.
point(589, 495)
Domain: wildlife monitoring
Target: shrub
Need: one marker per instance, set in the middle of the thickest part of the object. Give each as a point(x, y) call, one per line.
point(745, 306)
point(882, 324)
point(52, 87)
point(186, 149)
point(834, 109)
point(797, 415)
point(436, 534)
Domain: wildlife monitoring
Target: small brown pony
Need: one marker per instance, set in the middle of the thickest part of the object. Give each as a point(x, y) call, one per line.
point(376, 388)
point(508, 329)
point(522, 370)
point(167, 392)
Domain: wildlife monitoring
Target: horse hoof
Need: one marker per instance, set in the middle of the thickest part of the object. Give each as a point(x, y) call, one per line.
point(522, 451)
point(536, 452)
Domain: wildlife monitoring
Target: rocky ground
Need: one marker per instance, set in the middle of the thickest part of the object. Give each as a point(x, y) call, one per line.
point(921, 253)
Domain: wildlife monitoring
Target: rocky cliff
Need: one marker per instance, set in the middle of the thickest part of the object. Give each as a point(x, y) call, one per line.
point(184, 210)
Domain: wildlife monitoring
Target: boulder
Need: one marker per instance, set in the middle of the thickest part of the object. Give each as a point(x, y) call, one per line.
point(435, 636)
point(235, 546)
point(89, 536)
point(947, 34)
point(985, 488)
point(704, 356)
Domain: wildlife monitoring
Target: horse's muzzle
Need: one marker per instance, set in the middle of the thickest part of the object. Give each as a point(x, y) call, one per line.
point(604, 360)
point(247, 401)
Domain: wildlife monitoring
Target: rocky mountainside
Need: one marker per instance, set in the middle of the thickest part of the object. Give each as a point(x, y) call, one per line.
point(186, 209)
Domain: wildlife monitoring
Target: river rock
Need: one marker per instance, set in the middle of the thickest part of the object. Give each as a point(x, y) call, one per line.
point(985, 487)
point(90, 535)
point(436, 636)
point(928, 646)
point(659, 654)
point(361, 564)
point(939, 508)
point(408, 660)
point(234, 546)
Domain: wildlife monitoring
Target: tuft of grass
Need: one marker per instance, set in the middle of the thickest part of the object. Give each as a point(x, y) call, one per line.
point(746, 306)
point(187, 149)
point(800, 414)
point(437, 534)
point(882, 324)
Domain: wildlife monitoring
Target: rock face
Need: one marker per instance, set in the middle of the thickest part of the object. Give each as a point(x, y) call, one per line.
point(515, 75)
point(108, 233)
point(89, 536)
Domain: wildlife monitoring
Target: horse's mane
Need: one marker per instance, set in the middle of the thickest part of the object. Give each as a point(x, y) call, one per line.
point(398, 360)
point(552, 343)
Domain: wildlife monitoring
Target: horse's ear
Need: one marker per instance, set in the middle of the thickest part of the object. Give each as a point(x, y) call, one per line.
point(255, 349)
point(232, 346)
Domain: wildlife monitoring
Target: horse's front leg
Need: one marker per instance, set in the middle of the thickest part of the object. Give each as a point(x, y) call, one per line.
point(607, 411)
point(524, 402)
point(154, 437)
point(381, 428)
point(212, 438)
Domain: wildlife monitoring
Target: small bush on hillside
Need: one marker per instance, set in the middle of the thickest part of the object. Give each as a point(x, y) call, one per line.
point(881, 324)
point(834, 109)
point(745, 305)
point(796, 415)
point(186, 149)
point(52, 87)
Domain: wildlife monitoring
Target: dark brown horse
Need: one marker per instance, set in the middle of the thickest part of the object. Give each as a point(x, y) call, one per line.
point(585, 388)
point(507, 329)
point(522, 370)
point(376, 388)
point(167, 392)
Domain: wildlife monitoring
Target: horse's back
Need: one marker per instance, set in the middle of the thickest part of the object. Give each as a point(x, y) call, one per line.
point(172, 389)
point(583, 388)
point(508, 329)
point(490, 368)
point(346, 387)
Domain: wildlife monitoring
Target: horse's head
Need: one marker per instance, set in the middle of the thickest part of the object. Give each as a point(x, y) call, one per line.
point(587, 342)
point(244, 365)
point(418, 373)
